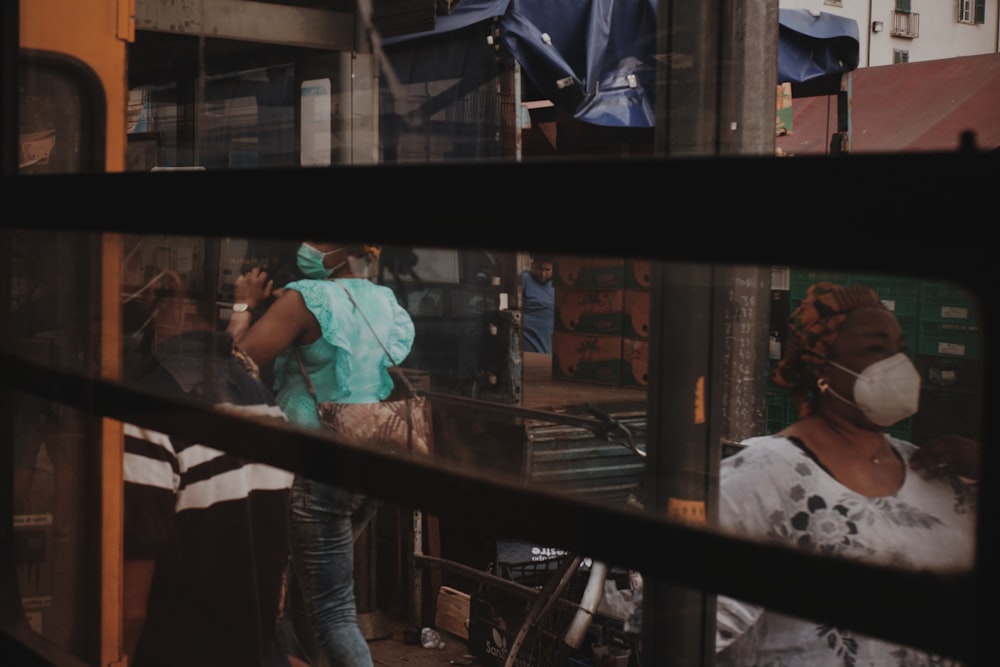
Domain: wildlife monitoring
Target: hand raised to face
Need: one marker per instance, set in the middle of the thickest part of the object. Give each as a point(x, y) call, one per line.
point(253, 288)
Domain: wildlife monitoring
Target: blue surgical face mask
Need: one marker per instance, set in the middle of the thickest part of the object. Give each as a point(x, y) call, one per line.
point(310, 261)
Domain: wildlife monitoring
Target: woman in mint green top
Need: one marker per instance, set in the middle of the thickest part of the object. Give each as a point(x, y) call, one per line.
point(347, 364)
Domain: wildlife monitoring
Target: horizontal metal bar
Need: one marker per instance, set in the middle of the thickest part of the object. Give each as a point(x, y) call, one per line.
point(250, 21)
point(512, 410)
point(935, 611)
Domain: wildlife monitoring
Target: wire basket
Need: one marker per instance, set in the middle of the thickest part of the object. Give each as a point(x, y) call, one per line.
point(543, 644)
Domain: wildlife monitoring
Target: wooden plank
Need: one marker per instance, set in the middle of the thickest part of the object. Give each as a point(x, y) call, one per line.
point(452, 613)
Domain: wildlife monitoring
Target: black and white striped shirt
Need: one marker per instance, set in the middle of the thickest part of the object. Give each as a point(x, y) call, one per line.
point(215, 524)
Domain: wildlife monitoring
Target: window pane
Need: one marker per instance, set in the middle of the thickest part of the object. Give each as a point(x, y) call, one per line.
point(55, 479)
point(674, 411)
point(50, 120)
point(841, 463)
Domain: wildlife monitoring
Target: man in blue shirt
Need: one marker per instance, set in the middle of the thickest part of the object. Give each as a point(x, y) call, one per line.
point(538, 305)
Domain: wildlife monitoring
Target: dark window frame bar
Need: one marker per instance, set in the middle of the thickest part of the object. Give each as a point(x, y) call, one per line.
point(921, 609)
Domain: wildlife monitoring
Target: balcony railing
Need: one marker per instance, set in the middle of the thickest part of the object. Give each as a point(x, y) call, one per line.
point(905, 24)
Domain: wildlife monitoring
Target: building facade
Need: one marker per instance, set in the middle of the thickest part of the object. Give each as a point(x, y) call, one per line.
point(898, 31)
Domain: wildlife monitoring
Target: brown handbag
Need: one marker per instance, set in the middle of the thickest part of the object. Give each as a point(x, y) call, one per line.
point(402, 422)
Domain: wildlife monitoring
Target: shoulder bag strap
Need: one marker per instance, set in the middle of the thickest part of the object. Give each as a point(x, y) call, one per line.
point(401, 374)
point(305, 374)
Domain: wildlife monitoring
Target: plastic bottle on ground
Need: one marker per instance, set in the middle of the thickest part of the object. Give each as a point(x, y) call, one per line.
point(429, 638)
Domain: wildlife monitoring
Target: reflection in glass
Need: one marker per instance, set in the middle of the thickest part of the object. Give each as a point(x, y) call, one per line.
point(52, 324)
point(851, 475)
point(575, 422)
point(50, 118)
point(50, 526)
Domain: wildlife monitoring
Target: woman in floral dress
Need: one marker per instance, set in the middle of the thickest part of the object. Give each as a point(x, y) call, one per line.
point(837, 483)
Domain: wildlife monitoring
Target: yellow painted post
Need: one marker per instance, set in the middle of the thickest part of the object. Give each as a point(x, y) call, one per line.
point(112, 458)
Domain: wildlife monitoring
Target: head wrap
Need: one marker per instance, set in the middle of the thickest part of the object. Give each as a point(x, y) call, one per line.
point(812, 329)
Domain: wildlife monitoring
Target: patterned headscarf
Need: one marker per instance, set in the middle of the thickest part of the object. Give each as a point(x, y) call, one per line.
point(812, 329)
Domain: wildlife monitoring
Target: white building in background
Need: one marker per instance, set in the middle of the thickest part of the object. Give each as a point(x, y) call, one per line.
point(897, 31)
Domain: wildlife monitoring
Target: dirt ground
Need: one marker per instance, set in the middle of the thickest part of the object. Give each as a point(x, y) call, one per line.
point(394, 651)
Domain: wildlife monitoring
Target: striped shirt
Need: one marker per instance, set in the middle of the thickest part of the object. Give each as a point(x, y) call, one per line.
point(214, 523)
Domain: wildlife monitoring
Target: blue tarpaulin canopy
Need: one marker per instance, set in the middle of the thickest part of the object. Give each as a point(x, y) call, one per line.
point(594, 59)
point(815, 45)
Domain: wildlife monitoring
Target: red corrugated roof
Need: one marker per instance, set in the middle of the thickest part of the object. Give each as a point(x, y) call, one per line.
point(922, 106)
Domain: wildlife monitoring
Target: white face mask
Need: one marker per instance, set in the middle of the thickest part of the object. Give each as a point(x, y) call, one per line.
point(887, 392)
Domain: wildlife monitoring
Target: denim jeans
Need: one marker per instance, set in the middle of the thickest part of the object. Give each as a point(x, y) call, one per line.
point(325, 521)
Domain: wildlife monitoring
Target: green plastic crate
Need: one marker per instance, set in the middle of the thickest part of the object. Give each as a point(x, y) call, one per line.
point(801, 279)
point(949, 340)
point(903, 430)
point(934, 290)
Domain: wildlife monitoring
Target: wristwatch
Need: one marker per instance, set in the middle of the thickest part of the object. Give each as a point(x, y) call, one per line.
point(242, 308)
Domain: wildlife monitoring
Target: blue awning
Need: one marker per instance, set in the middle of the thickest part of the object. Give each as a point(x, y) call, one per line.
point(815, 45)
point(466, 13)
point(594, 59)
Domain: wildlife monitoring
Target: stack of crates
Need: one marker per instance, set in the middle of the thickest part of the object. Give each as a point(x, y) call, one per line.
point(902, 296)
point(949, 358)
point(601, 330)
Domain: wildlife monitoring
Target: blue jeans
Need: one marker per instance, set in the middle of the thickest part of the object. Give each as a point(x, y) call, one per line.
point(325, 520)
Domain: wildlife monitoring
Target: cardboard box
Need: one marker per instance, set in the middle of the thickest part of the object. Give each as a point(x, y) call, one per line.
point(452, 612)
point(590, 310)
point(574, 271)
point(587, 358)
point(636, 321)
point(637, 272)
point(635, 362)
point(783, 117)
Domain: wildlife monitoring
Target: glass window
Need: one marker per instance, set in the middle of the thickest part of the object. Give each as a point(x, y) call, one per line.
point(665, 378)
point(576, 425)
point(52, 324)
point(52, 138)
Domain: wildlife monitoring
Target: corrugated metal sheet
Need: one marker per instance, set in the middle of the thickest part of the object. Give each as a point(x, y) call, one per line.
point(922, 106)
point(573, 460)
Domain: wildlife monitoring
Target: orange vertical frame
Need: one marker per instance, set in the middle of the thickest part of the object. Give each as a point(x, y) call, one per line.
point(94, 32)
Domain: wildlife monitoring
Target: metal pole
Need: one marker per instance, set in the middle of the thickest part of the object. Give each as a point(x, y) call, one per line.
point(678, 622)
point(715, 91)
point(742, 311)
point(708, 384)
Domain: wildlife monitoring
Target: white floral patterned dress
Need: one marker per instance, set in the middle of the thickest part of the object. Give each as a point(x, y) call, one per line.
point(774, 489)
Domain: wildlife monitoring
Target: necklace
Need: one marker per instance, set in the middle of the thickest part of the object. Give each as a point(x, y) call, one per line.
point(843, 439)
point(876, 459)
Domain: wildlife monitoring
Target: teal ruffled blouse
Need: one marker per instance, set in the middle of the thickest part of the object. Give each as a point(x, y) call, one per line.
point(346, 363)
